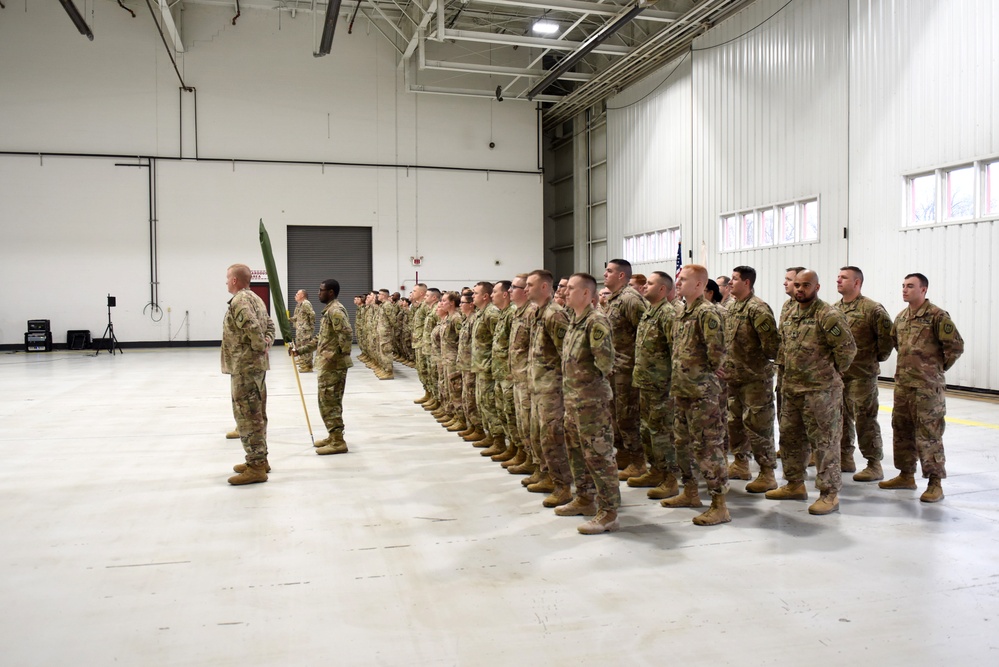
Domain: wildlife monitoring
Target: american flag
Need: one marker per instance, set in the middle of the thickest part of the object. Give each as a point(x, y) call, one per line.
point(679, 260)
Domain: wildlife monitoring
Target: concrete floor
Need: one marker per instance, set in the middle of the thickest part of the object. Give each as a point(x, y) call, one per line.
point(122, 543)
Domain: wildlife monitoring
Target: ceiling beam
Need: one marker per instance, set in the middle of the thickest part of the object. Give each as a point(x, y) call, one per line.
point(582, 7)
point(170, 26)
point(537, 42)
point(499, 70)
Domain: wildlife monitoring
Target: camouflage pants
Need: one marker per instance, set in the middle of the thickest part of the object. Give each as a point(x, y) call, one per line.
point(472, 416)
point(433, 377)
point(421, 368)
point(778, 389)
point(454, 392)
point(697, 432)
point(589, 441)
point(860, 407)
point(485, 396)
point(751, 422)
point(331, 385)
point(812, 421)
point(723, 409)
point(522, 406)
point(505, 410)
point(625, 413)
point(917, 423)
point(249, 407)
point(385, 349)
point(656, 411)
point(548, 429)
point(304, 360)
point(442, 385)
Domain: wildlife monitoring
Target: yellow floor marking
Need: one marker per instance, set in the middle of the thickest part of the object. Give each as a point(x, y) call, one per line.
point(954, 420)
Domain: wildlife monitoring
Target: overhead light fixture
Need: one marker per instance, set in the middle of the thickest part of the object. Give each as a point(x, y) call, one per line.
point(329, 26)
point(77, 18)
point(545, 27)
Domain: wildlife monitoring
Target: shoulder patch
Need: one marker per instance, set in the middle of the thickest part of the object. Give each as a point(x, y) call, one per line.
point(836, 331)
point(763, 325)
point(947, 329)
point(560, 332)
point(598, 333)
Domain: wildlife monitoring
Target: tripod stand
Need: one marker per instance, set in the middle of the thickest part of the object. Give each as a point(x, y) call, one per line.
point(109, 336)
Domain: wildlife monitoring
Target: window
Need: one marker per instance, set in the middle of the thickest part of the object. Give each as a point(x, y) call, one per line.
point(961, 193)
point(779, 224)
point(652, 247)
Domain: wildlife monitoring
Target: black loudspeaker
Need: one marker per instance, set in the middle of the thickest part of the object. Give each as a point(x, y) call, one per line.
point(38, 325)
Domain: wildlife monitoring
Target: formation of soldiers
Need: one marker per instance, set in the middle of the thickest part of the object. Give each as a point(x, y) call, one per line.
point(656, 382)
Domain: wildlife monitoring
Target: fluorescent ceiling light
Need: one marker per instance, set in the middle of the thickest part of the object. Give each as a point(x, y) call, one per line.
point(545, 27)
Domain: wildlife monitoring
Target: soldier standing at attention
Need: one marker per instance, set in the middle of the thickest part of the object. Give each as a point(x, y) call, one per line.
point(751, 341)
point(725, 287)
point(416, 341)
point(698, 345)
point(928, 344)
point(483, 328)
point(501, 374)
point(528, 458)
point(473, 422)
point(789, 275)
point(545, 377)
point(305, 328)
point(624, 310)
point(332, 350)
point(653, 370)
point(587, 360)
point(247, 335)
point(818, 349)
point(871, 328)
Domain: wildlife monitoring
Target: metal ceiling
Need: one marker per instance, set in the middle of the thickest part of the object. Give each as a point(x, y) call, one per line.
point(486, 48)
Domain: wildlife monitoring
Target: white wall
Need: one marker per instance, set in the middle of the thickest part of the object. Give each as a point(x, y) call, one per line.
point(834, 98)
point(73, 229)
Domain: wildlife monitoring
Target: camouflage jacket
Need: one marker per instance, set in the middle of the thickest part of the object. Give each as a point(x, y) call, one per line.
point(654, 347)
point(361, 320)
point(698, 345)
point(305, 321)
point(464, 362)
point(433, 347)
point(624, 310)
point(520, 342)
point(784, 310)
point(449, 338)
point(386, 317)
point(751, 341)
point(587, 356)
point(247, 332)
point(429, 322)
point(928, 344)
point(416, 325)
point(548, 330)
point(482, 339)
point(870, 325)
point(818, 347)
point(501, 343)
point(333, 345)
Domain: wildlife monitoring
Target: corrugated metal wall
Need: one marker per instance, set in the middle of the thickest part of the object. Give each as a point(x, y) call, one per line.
point(830, 98)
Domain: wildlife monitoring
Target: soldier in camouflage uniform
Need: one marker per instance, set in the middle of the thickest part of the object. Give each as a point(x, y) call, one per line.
point(247, 335)
point(417, 318)
point(501, 373)
point(545, 381)
point(304, 320)
point(789, 275)
point(451, 324)
point(652, 374)
point(473, 420)
point(385, 332)
point(818, 348)
point(360, 314)
point(624, 309)
point(483, 329)
point(332, 350)
point(528, 457)
point(587, 360)
point(698, 345)
point(871, 328)
point(430, 321)
point(751, 341)
point(928, 344)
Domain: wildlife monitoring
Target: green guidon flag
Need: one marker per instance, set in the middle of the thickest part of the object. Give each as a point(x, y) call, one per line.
point(275, 284)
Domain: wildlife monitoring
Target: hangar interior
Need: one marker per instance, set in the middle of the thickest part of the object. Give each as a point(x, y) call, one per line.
point(768, 133)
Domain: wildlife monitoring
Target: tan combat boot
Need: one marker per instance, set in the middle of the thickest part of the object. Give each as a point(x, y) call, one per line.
point(507, 454)
point(387, 375)
point(689, 497)
point(543, 485)
point(716, 514)
point(520, 459)
point(790, 491)
point(533, 477)
point(871, 473)
point(739, 469)
point(444, 417)
point(484, 442)
point(827, 503)
point(423, 399)
point(241, 467)
point(322, 443)
point(764, 482)
point(905, 480)
point(634, 469)
point(528, 467)
point(934, 491)
point(469, 430)
point(580, 506)
point(498, 447)
point(560, 495)
point(667, 489)
point(475, 436)
point(233, 434)
point(847, 464)
point(255, 472)
point(652, 477)
point(457, 426)
point(604, 522)
point(335, 447)
point(431, 405)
